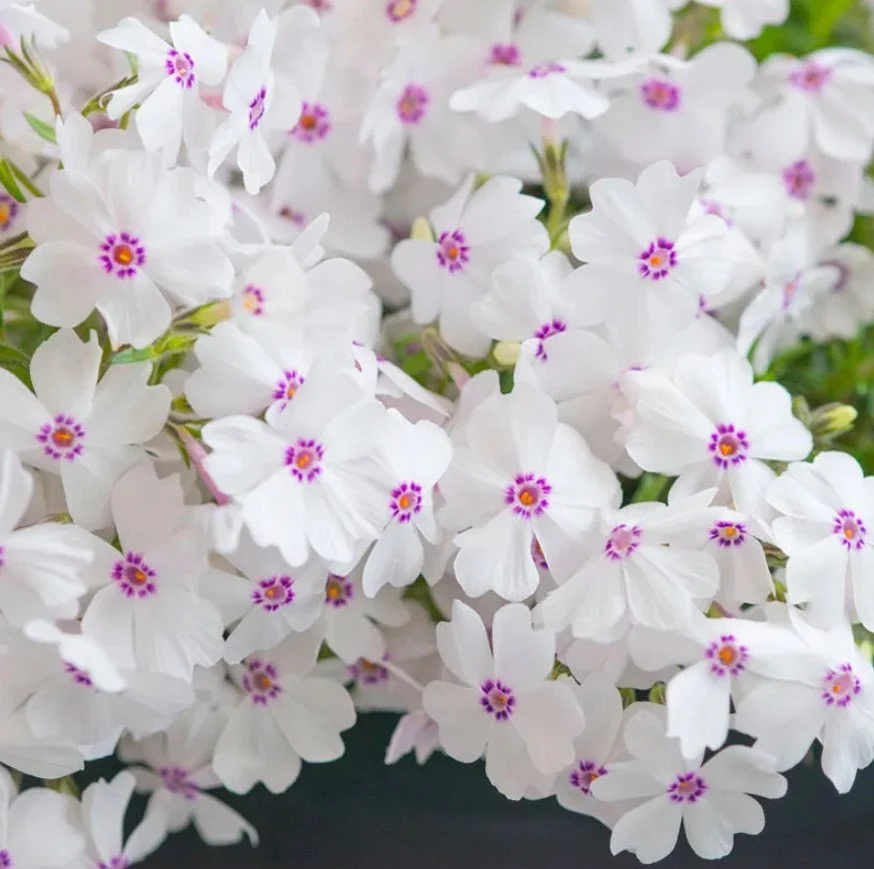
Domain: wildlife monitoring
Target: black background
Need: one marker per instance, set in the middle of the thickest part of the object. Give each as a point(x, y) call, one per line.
point(357, 812)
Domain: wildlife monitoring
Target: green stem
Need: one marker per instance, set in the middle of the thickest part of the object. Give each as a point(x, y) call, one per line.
point(24, 180)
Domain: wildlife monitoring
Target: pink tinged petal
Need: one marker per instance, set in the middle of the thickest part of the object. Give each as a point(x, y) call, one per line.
point(148, 512)
point(773, 431)
point(209, 54)
point(64, 373)
point(548, 719)
point(627, 780)
point(617, 226)
point(109, 619)
point(16, 490)
point(103, 807)
point(396, 559)
point(847, 746)
point(252, 748)
point(653, 650)
point(126, 410)
point(257, 630)
point(746, 770)
point(311, 715)
point(88, 482)
point(351, 635)
point(138, 316)
point(666, 198)
point(245, 453)
point(861, 570)
point(748, 483)
point(463, 726)
point(508, 766)
point(602, 707)
point(192, 272)
point(54, 813)
point(218, 824)
point(159, 119)
point(133, 36)
point(785, 718)
point(710, 832)
point(497, 558)
point(148, 835)
point(332, 533)
point(524, 656)
point(273, 512)
point(698, 708)
point(68, 282)
point(464, 646)
point(646, 740)
point(743, 812)
point(650, 831)
point(819, 573)
point(255, 161)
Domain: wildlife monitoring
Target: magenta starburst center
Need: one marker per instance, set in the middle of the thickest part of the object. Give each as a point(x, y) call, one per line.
point(728, 534)
point(9, 209)
point(180, 64)
point(62, 438)
point(537, 554)
point(79, 677)
point(134, 577)
point(257, 108)
point(660, 94)
point(543, 70)
point(528, 495)
point(658, 260)
point(178, 781)
point(287, 386)
point(687, 788)
point(453, 252)
point(400, 10)
point(584, 773)
point(546, 331)
point(728, 446)
point(412, 104)
point(497, 699)
point(338, 591)
point(406, 501)
point(273, 592)
point(622, 542)
point(259, 681)
point(727, 656)
point(368, 672)
point(799, 179)
point(304, 459)
point(119, 861)
point(811, 77)
point(122, 255)
point(850, 529)
point(505, 54)
point(313, 124)
point(840, 686)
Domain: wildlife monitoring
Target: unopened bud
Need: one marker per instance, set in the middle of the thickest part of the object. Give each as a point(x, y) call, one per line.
point(421, 230)
point(658, 694)
point(507, 353)
point(832, 420)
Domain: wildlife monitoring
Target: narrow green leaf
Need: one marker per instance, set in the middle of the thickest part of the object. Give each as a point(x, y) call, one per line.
point(9, 182)
point(16, 363)
point(41, 128)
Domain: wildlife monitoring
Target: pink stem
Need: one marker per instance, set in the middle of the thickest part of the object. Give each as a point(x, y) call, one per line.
point(197, 454)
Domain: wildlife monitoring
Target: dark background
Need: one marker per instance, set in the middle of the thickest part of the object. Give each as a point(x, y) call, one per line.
point(359, 813)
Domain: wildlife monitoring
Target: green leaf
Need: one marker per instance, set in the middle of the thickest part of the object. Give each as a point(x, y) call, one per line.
point(9, 182)
point(16, 363)
point(41, 128)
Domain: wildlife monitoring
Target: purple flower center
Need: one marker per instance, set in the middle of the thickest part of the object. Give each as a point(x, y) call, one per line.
point(9, 209)
point(687, 788)
point(287, 386)
point(660, 95)
point(505, 54)
point(313, 124)
point(298, 218)
point(798, 179)
point(728, 534)
point(850, 529)
point(122, 255)
point(657, 261)
point(5, 860)
point(406, 500)
point(727, 656)
point(338, 591)
point(259, 681)
point(133, 576)
point(181, 65)
point(304, 459)
point(584, 773)
point(400, 10)
point(811, 78)
point(547, 330)
point(622, 542)
point(62, 438)
point(546, 69)
point(257, 108)
point(528, 495)
point(177, 781)
point(412, 104)
point(840, 686)
point(253, 300)
point(728, 446)
point(119, 861)
point(452, 251)
point(537, 554)
point(368, 672)
point(273, 593)
point(497, 699)
point(80, 677)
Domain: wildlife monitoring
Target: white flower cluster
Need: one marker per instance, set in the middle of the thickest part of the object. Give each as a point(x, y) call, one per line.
point(229, 513)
